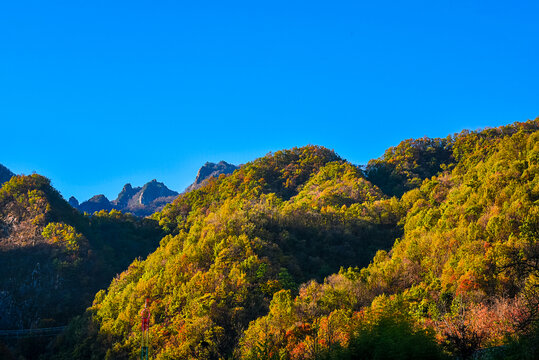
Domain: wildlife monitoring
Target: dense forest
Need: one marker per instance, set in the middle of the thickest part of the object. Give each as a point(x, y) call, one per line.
point(429, 252)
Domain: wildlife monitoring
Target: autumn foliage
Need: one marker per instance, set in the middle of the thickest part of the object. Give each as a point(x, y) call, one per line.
point(428, 252)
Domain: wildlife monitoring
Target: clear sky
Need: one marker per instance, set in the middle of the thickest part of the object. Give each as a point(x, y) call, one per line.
point(94, 94)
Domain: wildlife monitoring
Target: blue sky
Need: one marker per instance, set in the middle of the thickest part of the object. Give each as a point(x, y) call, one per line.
point(94, 94)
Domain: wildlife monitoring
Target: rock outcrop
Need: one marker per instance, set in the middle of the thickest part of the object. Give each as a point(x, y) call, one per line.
point(73, 202)
point(209, 170)
point(5, 174)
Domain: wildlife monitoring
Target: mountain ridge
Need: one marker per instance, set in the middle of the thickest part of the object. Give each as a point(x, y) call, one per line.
point(302, 255)
point(140, 201)
point(152, 196)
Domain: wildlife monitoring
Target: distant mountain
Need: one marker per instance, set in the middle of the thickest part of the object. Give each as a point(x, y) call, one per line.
point(152, 196)
point(5, 174)
point(149, 193)
point(73, 202)
point(209, 170)
point(140, 201)
point(95, 203)
point(127, 193)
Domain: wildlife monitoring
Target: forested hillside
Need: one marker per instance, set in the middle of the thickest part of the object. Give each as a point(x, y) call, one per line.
point(463, 276)
point(428, 252)
point(53, 259)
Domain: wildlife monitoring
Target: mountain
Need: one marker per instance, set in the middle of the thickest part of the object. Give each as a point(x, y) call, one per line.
point(428, 252)
point(127, 193)
point(152, 196)
point(209, 170)
point(5, 174)
point(276, 222)
point(140, 201)
point(95, 203)
point(53, 259)
point(73, 202)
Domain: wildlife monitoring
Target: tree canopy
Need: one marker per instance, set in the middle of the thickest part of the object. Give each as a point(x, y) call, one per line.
point(427, 252)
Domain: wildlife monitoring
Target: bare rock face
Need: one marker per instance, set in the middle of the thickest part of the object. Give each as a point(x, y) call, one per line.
point(150, 192)
point(5, 174)
point(209, 170)
point(127, 193)
point(152, 197)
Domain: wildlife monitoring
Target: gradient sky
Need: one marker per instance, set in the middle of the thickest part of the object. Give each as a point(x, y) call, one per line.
point(94, 94)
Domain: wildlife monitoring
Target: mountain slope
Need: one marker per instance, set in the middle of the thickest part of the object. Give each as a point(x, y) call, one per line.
point(405, 166)
point(466, 266)
point(236, 241)
point(226, 280)
point(53, 259)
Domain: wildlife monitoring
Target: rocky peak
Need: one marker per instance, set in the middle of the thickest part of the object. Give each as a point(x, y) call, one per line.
point(209, 170)
point(96, 203)
point(152, 196)
point(125, 195)
point(140, 201)
point(150, 192)
point(73, 202)
point(5, 174)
